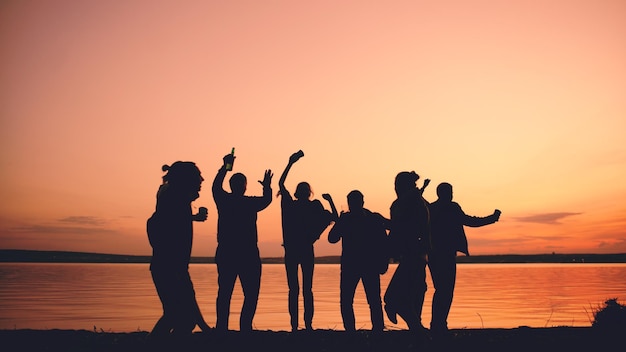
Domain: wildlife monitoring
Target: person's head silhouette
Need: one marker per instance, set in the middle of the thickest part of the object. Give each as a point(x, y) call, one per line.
point(355, 201)
point(183, 177)
point(303, 191)
point(444, 191)
point(405, 182)
point(238, 183)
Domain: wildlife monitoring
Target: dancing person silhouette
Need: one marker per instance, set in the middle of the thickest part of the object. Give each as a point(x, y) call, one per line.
point(410, 243)
point(303, 221)
point(447, 219)
point(363, 236)
point(237, 254)
point(170, 232)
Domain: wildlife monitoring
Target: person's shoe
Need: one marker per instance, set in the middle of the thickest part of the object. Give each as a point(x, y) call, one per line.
point(391, 314)
point(439, 333)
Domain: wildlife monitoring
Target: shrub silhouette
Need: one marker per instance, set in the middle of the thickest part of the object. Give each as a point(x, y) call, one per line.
point(611, 316)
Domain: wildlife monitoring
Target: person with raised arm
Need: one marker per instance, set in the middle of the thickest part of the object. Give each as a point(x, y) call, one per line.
point(303, 221)
point(237, 254)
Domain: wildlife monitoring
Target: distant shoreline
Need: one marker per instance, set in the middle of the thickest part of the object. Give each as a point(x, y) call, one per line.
point(33, 256)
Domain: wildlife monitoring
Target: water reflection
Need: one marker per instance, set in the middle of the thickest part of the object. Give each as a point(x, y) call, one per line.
point(121, 297)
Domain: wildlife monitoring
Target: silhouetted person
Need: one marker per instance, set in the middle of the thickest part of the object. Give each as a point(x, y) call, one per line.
point(303, 222)
point(170, 231)
point(237, 254)
point(448, 237)
point(363, 236)
point(410, 242)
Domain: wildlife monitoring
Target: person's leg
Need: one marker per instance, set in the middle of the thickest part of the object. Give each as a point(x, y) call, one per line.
point(411, 292)
point(347, 287)
point(371, 284)
point(307, 289)
point(420, 290)
point(163, 285)
point(195, 313)
point(199, 318)
point(291, 267)
point(397, 293)
point(187, 311)
point(226, 277)
point(443, 272)
point(250, 277)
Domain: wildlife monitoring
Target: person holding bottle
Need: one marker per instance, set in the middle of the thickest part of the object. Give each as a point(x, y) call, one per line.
point(303, 221)
point(237, 254)
point(447, 220)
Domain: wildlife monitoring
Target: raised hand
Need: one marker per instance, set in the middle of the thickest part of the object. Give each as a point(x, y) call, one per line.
point(296, 156)
point(229, 159)
point(202, 214)
point(267, 178)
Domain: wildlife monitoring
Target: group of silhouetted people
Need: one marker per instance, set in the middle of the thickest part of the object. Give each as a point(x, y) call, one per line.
point(416, 235)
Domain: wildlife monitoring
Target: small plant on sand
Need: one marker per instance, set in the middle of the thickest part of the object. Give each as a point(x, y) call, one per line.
point(611, 316)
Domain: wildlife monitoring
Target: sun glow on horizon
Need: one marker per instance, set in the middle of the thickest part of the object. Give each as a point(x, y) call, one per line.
point(519, 105)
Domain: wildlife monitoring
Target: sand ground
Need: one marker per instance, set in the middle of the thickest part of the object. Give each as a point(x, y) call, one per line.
point(565, 339)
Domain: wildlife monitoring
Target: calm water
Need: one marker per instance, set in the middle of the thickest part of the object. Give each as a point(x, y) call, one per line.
point(122, 298)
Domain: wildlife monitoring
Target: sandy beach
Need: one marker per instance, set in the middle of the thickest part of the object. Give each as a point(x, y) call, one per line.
point(517, 339)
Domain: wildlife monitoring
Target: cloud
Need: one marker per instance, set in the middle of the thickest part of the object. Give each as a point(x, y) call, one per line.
point(67, 225)
point(83, 220)
point(50, 229)
point(546, 218)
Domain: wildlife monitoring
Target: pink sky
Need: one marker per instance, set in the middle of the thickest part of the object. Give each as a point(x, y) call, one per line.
point(521, 105)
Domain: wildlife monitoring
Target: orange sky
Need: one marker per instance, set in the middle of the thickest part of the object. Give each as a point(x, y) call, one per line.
point(520, 104)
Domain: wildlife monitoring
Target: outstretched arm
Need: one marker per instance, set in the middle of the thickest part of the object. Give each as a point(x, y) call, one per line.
point(292, 160)
point(332, 206)
point(386, 223)
point(477, 221)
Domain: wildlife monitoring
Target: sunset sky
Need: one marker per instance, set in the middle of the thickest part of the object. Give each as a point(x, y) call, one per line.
point(519, 104)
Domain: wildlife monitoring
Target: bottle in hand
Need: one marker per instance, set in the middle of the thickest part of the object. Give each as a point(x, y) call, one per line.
point(229, 166)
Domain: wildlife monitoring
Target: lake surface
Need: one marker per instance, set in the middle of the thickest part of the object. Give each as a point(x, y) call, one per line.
point(122, 298)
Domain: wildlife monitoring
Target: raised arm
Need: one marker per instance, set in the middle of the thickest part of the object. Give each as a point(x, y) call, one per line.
point(336, 232)
point(267, 189)
point(332, 206)
point(292, 160)
point(217, 187)
point(426, 183)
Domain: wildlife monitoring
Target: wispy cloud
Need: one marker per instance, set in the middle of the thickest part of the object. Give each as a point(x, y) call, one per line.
point(546, 218)
point(67, 225)
point(50, 229)
point(83, 220)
